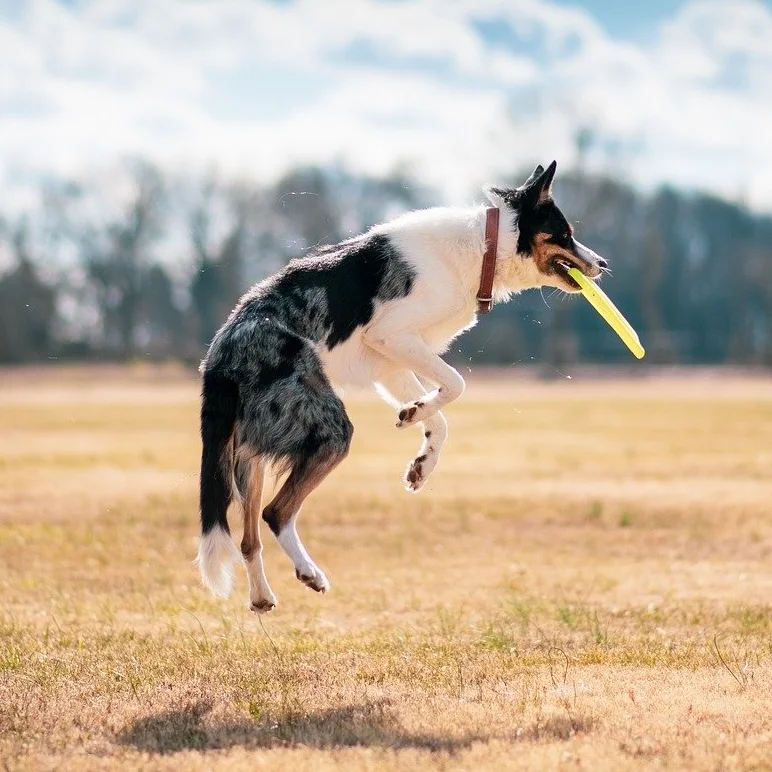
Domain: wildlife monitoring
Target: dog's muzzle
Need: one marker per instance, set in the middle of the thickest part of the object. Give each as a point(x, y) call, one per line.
point(592, 264)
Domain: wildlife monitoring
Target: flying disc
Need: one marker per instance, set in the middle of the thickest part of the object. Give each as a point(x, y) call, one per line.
point(601, 302)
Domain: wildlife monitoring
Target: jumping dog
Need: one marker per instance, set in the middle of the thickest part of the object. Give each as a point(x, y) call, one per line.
point(378, 309)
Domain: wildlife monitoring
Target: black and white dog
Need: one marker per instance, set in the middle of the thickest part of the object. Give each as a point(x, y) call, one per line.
point(376, 309)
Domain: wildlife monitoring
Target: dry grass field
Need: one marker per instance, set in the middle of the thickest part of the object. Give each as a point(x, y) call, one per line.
point(586, 583)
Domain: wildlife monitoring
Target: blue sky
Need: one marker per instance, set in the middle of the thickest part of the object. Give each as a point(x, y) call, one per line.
point(630, 20)
point(460, 91)
point(636, 21)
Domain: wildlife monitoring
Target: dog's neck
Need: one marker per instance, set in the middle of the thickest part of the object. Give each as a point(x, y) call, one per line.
point(458, 235)
point(485, 291)
point(514, 272)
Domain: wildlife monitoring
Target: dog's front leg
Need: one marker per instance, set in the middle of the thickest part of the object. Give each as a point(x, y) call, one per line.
point(396, 388)
point(409, 350)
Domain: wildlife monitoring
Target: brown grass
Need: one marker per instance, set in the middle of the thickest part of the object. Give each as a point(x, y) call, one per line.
point(585, 583)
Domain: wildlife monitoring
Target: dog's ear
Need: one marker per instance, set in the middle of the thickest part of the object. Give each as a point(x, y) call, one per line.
point(496, 196)
point(545, 182)
point(535, 174)
point(538, 188)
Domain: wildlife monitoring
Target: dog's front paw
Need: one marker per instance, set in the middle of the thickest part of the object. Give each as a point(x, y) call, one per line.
point(411, 413)
point(414, 475)
point(418, 471)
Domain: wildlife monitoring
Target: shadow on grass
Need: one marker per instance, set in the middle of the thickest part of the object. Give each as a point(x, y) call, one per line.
point(370, 724)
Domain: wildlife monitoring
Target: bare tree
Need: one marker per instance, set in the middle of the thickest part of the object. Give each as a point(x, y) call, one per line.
point(217, 223)
point(27, 303)
point(114, 242)
point(135, 264)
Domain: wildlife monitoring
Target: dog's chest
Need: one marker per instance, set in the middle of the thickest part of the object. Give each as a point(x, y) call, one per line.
point(351, 363)
point(354, 363)
point(439, 336)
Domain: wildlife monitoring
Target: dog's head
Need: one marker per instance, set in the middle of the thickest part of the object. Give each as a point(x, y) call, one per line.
point(544, 236)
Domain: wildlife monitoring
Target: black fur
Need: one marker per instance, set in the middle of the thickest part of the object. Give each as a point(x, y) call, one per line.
point(219, 404)
point(287, 353)
point(543, 218)
point(536, 212)
point(328, 294)
point(271, 517)
point(280, 403)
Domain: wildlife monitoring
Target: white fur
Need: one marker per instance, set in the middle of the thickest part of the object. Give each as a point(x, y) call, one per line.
point(305, 568)
point(396, 389)
point(586, 253)
point(404, 338)
point(261, 597)
point(216, 555)
point(398, 351)
point(445, 247)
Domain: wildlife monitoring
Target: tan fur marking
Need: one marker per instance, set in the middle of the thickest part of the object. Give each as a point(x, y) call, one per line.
point(544, 253)
point(250, 542)
point(301, 482)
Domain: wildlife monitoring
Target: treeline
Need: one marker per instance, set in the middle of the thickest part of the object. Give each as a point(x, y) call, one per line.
point(143, 264)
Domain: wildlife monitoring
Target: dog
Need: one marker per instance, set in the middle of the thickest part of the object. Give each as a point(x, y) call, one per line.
point(378, 309)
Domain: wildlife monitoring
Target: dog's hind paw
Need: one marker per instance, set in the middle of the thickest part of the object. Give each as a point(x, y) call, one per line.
point(262, 605)
point(312, 576)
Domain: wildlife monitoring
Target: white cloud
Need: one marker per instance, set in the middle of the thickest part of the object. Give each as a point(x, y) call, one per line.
point(83, 85)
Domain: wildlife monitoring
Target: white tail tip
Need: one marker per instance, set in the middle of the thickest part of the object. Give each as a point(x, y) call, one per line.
point(216, 555)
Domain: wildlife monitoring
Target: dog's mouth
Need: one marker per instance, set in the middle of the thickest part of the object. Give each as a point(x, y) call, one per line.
point(560, 266)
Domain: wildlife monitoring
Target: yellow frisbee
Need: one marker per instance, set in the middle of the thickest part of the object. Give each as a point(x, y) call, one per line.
point(601, 302)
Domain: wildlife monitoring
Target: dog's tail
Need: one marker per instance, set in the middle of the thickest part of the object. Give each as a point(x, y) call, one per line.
point(217, 553)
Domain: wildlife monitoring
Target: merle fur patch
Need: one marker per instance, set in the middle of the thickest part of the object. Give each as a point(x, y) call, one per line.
point(326, 295)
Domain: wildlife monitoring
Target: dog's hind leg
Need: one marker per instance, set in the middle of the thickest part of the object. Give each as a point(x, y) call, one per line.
point(291, 415)
point(251, 472)
point(400, 387)
point(281, 514)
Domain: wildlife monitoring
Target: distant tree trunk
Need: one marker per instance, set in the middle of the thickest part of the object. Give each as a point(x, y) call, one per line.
point(27, 304)
point(116, 259)
point(659, 347)
point(218, 280)
point(27, 315)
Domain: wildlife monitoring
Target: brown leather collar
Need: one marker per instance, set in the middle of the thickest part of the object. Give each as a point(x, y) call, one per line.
point(485, 293)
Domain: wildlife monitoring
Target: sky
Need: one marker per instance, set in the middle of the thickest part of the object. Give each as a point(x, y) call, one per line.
point(460, 92)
